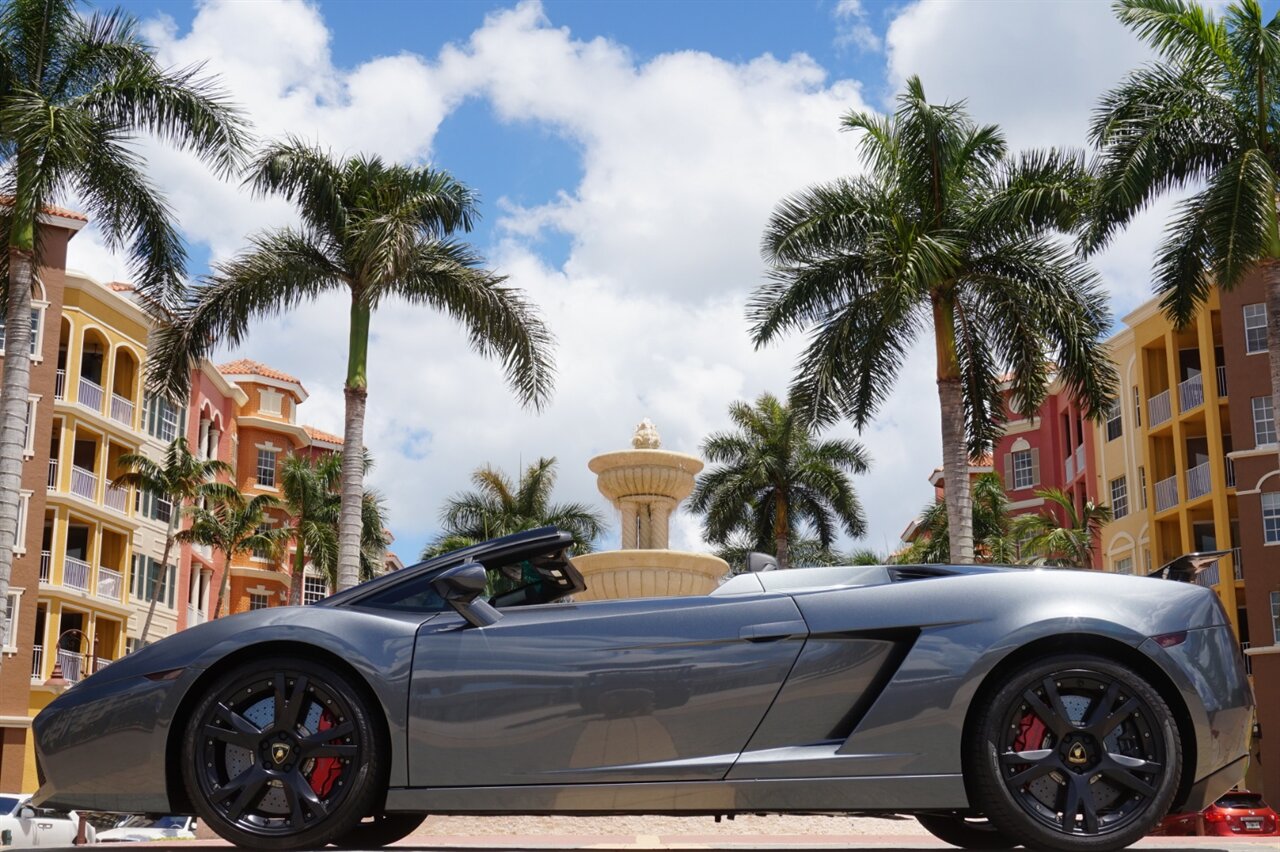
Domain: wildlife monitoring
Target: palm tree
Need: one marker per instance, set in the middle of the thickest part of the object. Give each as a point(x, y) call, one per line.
point(946, 233)
point(180, 478)
point(232, 526)
point(774, 478)
point(1063, 535)
point(993, 536)
point(499, 507)
point(1202, 117)
point(805, 552)
point(311, 488)
point(75, 91)
point(375, 231)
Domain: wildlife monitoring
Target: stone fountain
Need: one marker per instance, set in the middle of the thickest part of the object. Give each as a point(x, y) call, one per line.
point(645, 484)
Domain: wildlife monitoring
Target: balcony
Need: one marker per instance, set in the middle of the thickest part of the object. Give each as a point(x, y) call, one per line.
point(1158, 409)
point(100, 663)
point(71, 663)
point(53, 473)
point(1167, 493)
point(121, 409)
point(1198, 483)
point(1080, 459)
point(1231, 472)
point(1190, 393)
point(83, 482)
point(75, 573)
point(1209, 576)
point(116, 498)
point(195, 616)
point(109, 584)
point(1237, 563)
point(37, 662)
point(1222, 380)
point(60, 385)
point(46, 566)
point(91, 394)
point(1069, 468)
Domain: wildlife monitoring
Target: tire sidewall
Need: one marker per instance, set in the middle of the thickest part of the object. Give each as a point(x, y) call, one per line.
point(999, 805)
point(960, 832)
point(362, 797)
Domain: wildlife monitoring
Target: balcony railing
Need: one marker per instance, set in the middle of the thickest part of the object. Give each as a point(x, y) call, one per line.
point(1222, 380)
point(1069, 468)
point(1237, 563)
point(91, 394)
point(1248, 661)
point(1167, 493)
point(100, 663)
point(75, 573)
point(71, 663)
point(60, 385)
point(1080, 459)
point(1209, 576)
point(1231, 472)
point(83, 482)
point(195, 616)
point(37, 662)
point(1198, 483)
point(1191, 393)
point(109, 583)
point(116, 497)
point(46, 566)
point(1158, 410)
point(121, 409)
point(53, 473)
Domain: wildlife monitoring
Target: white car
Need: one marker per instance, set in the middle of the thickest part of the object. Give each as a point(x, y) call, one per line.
point(25, 827)
point(143, 828)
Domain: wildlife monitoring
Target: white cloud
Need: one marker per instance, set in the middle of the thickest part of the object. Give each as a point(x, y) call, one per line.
point(852, 28)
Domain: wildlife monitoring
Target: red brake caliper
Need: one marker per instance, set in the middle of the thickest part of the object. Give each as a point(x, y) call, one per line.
point(1031, 733)
point(327, 769)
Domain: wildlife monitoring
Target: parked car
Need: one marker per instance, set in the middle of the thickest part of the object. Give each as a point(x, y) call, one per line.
point(1234, 814)
point(25, 827)
point(1050, 709)
point(141, 828)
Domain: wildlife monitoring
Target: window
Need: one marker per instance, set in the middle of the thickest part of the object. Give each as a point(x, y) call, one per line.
point(1137, 407)
point(267, 468)
point(143, 577)
point(1271, 517)
point(29, 433)
point(314, 589)
point(258, 600)
point(1119, 497)
point(269, 401)
point(163, 418)
point(151, 506)
point(1115, 426)
point(1023, 469)
point(1255, 328)
point(1124, 566)
point(24, 505)
point(262, 553)
point(11, 608)
point(35, 331)
point(1275, 616)
point(1146, 561)
point(1142, 486)
point(1264, 421)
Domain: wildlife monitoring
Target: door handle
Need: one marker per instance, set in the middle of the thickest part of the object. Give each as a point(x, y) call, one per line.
point(773, 631)
point(44, 825)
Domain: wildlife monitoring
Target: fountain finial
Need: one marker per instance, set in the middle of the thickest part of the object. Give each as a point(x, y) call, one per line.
point(646, 436)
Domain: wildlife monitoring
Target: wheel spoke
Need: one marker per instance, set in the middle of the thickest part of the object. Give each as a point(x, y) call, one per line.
point(1134, 764)
point(1052, 714)
point(239, 724)
point(1087, 808)
point(1101, 708)
point(1070, 806)
point(299, 789)
point(1126, 778)
point(235, 738)
point(247, 788)
point(1010, 758)
point(1043, 761)
point(1107, 725)
point(280, 694)
point(288, 720)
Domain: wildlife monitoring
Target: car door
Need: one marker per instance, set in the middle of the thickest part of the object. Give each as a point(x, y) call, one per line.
point(55, 828)
point(22, 831)
point(655, 689)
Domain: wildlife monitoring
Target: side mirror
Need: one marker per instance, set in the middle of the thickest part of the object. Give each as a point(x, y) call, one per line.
point(461, 587)
point(761, 562)
point(26, 812)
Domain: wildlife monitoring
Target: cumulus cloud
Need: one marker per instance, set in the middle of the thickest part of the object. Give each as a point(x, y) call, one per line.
point(852, 27)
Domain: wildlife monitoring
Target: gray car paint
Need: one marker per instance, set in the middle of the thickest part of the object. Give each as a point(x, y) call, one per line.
point(920, 648)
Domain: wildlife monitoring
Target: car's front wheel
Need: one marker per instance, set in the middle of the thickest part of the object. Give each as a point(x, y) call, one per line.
point(281, 754)
point(967, 833)
point(379, 830)
point(1075, 753)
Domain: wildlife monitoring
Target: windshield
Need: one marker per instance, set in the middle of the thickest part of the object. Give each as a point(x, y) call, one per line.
point(1240, 800)
point(8, 804)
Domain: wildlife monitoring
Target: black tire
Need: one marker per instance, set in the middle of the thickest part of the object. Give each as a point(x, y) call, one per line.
point(257, 764)
point(977, 833)
point(1075, 753)
point(380, 830)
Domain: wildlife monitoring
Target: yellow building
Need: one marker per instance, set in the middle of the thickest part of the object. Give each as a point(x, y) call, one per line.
point(1166, 448)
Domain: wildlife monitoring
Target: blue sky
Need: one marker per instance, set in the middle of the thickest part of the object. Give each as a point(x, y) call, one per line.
point(627, 155)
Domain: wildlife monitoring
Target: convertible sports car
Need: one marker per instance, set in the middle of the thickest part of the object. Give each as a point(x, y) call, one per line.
point(1057, 709)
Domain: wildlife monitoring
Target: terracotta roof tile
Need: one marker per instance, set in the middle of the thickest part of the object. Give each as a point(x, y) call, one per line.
point(121, 287)
point(6, 200)
point(247, 367)
point(320, 435)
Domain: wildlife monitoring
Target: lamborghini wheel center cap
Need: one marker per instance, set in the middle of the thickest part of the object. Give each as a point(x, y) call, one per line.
point(1077, 753)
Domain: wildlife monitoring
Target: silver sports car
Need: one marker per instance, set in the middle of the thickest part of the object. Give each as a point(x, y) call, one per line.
point(1057, 709)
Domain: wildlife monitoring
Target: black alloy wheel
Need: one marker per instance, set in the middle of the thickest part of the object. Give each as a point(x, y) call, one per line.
point(1075, 753)
point(283, 754)
point(966, 832)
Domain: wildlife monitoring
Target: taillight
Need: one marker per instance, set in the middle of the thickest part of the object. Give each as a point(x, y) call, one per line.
point(1214, 816)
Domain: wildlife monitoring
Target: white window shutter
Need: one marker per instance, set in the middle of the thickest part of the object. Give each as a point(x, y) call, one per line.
point(1035, 467)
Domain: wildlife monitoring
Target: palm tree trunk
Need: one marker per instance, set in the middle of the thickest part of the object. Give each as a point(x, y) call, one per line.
point(221, 608)
point(955, 445)
point(781, 535)
point(299, 568)
point(356, 393)
point(1270, 268)
point(13, 398)
point(160, 575)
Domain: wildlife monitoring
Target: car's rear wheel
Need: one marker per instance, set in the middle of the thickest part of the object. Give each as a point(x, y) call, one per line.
point(1075, 752)
point(282, 754)
point(967, 833)
point(379, 830)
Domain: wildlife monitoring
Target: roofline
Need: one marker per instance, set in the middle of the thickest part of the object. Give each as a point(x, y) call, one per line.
point(258, 379)
point(128, 304)
point(233, 391)
point(57, 220)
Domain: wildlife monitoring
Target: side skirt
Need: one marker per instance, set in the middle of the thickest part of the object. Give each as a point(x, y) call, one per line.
point(795, 795)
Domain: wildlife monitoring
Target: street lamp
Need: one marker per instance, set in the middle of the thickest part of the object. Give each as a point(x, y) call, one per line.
point(57, 680)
